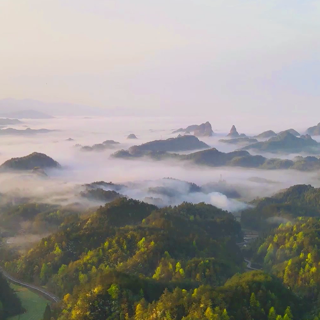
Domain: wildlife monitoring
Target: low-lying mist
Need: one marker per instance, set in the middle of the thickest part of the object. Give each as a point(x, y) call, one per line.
point(226, 188)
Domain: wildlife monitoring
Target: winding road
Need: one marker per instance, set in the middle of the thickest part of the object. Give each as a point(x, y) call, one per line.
point(49, 295)
point(248, 262)
point(246, 241)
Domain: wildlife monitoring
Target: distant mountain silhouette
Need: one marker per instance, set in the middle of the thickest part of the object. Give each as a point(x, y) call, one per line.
point(215, 158)
point(106, 145)
point(266, 135)
point(239, 141)
point(132, 136)
point(314, 131)
point(292, 131)
point(9, 122)
point(286, 142)
point(51, 108)
point(26, 132)
point(181, 143)
point(202, 130)
point(26, 114)
point(233, 132)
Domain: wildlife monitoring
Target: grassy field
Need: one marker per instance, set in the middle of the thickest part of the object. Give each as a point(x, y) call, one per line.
point(34, 304)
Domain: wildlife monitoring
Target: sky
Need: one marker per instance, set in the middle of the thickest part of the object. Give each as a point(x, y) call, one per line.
point(237, 58)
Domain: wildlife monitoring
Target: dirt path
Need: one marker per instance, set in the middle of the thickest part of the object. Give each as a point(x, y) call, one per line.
point(42, 291)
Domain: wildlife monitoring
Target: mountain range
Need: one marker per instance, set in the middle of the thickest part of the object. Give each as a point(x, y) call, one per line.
point(286, 142)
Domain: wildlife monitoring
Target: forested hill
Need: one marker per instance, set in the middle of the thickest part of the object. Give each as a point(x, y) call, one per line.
point(291, 253)
point(296, 201)
point(131, 260)
point(140, 249)
point(10, 304)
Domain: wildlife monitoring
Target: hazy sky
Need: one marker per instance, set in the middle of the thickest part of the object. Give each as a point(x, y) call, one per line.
point(223, 57)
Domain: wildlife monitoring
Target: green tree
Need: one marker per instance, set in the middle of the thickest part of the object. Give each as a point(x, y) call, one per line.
point(288, 313)
point(224, 315)
point(272, 314)
point(47, 313)
point(45, 272)
point(114, 291)
point(253, 300)
point(83, 278)
point(139, 313)
point(209, 314)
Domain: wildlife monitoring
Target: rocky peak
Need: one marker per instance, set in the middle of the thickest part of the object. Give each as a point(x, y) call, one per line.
point(233, 132)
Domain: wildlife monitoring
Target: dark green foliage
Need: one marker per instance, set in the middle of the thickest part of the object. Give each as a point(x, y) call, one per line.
point(47, 313)
point(101, 195)
point(299, 200)
point(291, 253)
point(10, 305)
point(136, 250)
point(117, 296)
point(132, 261)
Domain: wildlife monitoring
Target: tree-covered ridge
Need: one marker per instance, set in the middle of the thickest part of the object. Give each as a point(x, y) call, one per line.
point(286, 142)
point(113, 295)
point(178, 144)
point(291, 252)
point(100, 195)
point(296, 201)
point(188, 243)
point(131, 260)
point(10, 304)
point(29, 162)
point(175, 247)
point(214, 158)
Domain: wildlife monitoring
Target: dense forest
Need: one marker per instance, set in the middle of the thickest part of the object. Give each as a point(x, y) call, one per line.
point(291, 253)
point(267, 213)
point(131, 260)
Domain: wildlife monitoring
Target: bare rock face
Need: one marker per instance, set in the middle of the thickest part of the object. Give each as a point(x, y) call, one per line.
point(203, 130)
point(132, 136)
point(233, 132)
